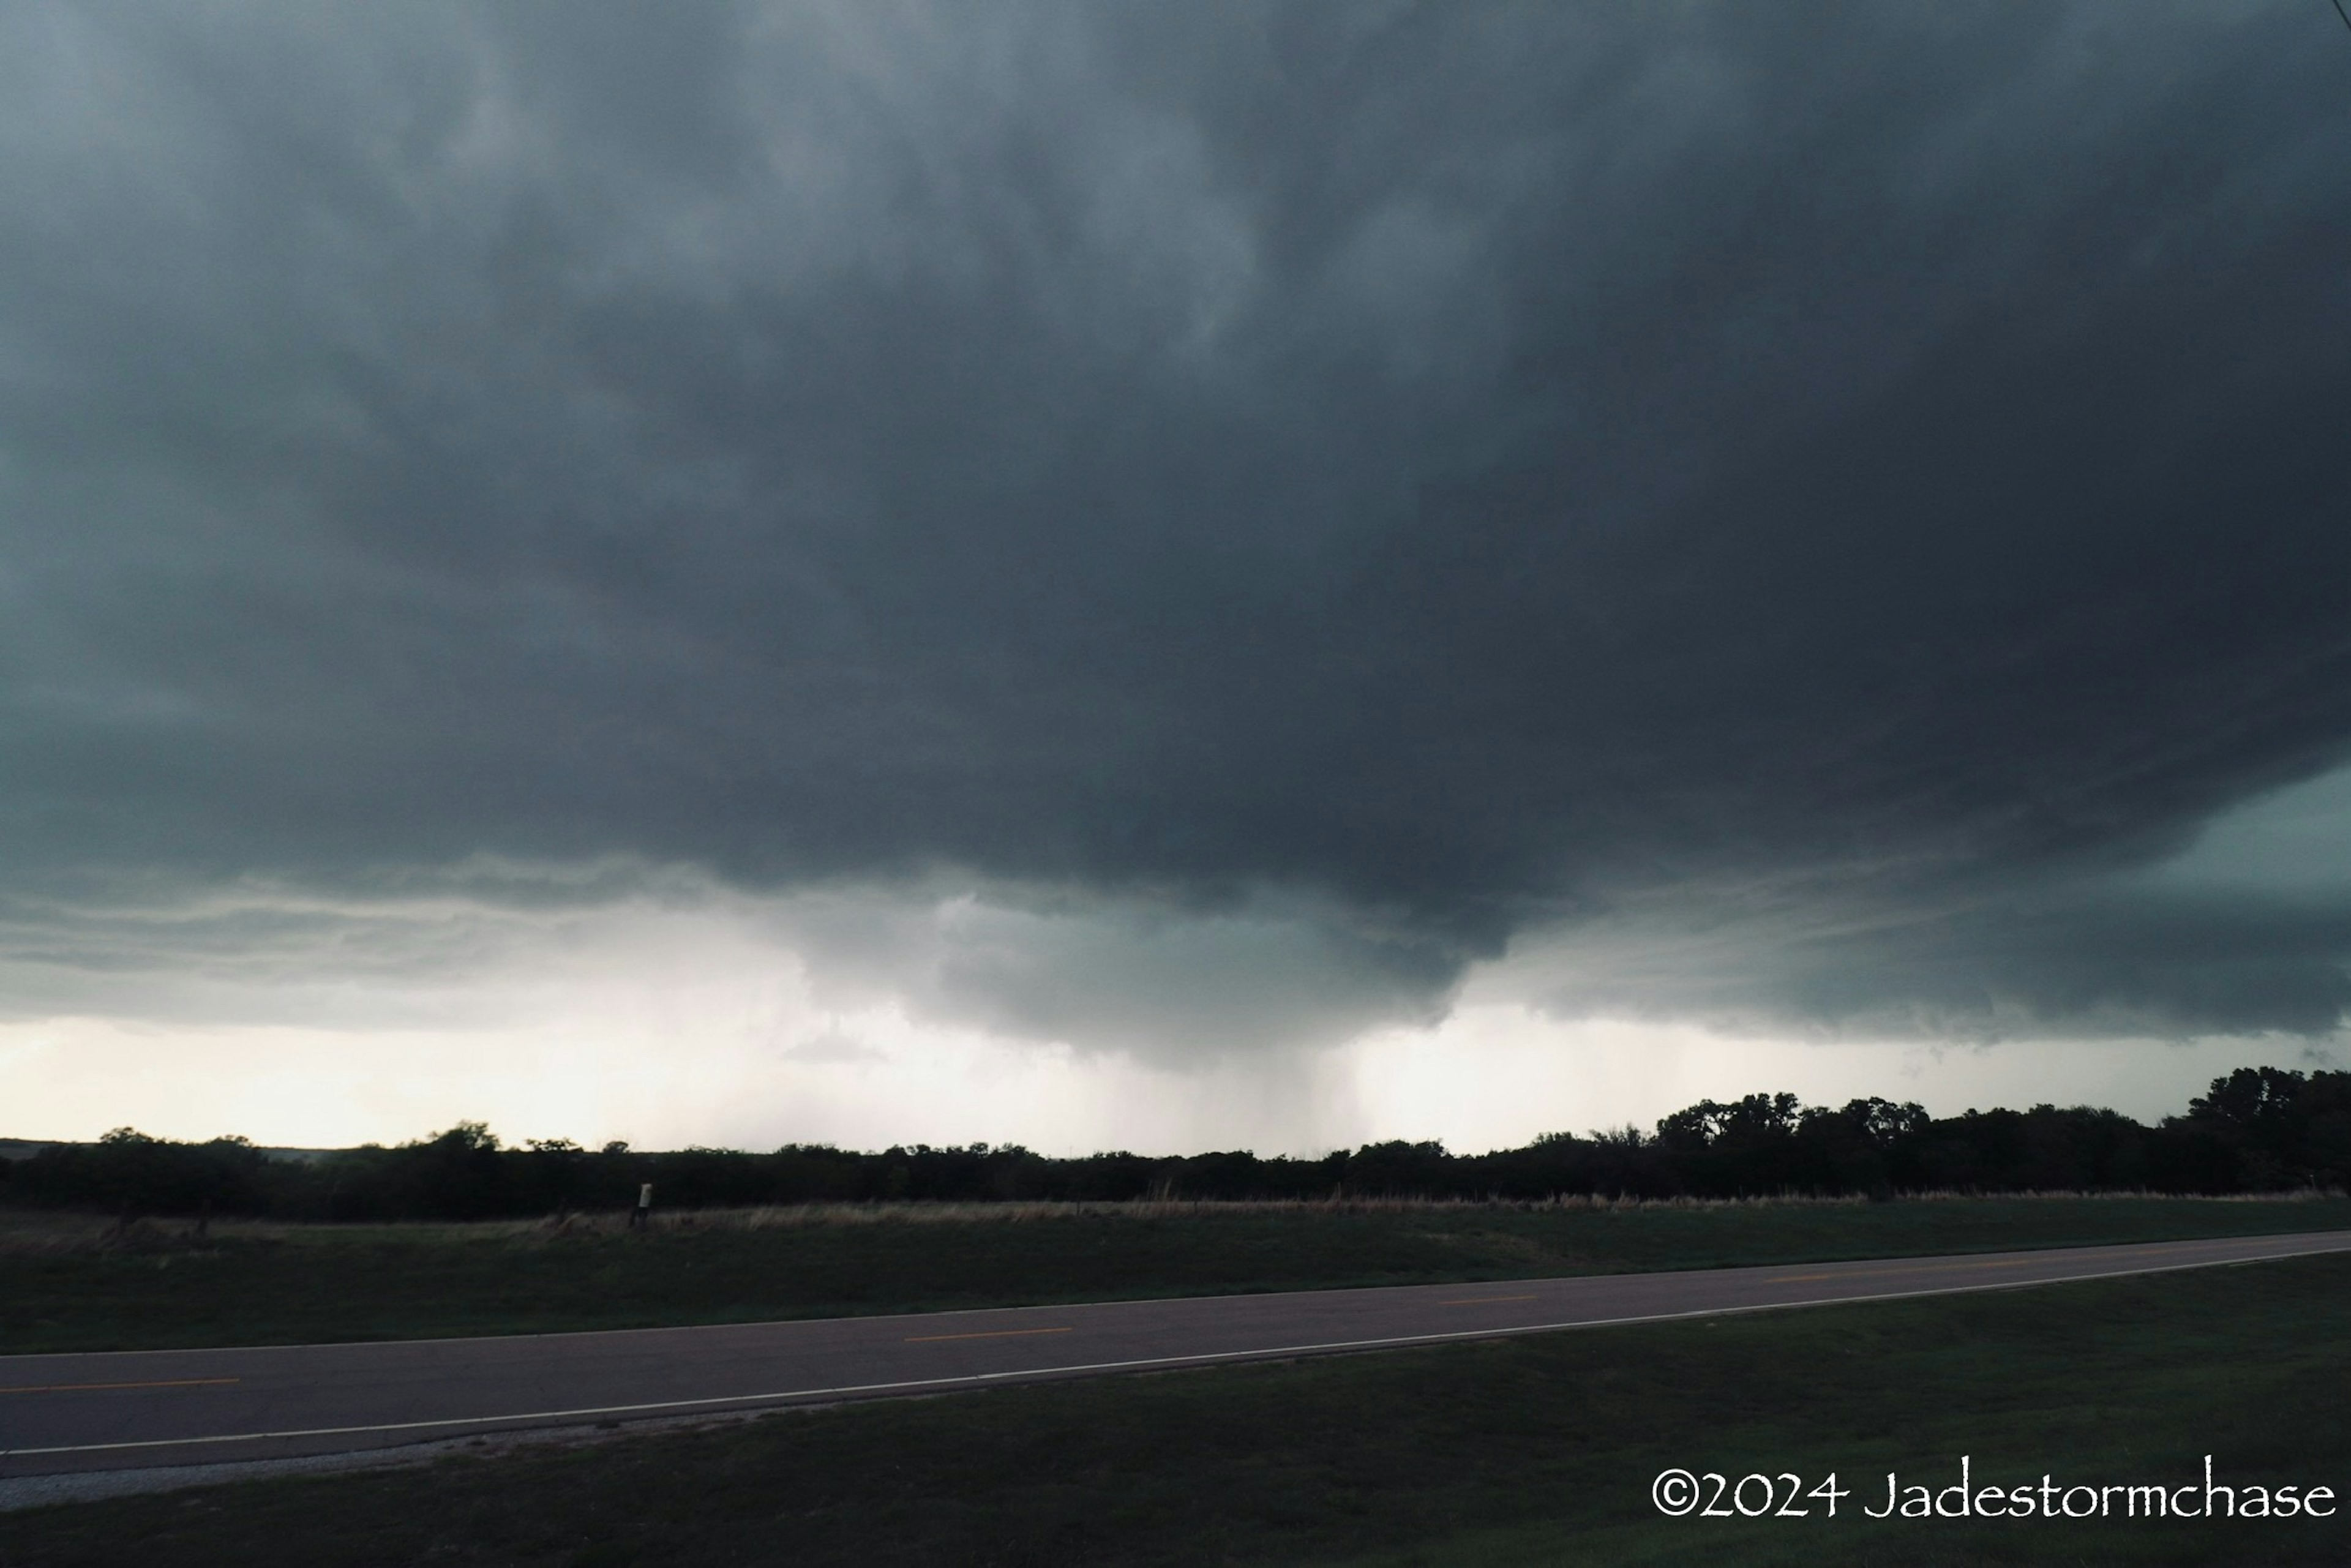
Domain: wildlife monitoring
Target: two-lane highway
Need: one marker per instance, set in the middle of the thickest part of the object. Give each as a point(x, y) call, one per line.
point(124, 1409)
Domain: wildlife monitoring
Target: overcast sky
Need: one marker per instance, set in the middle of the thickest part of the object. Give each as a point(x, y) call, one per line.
point(1170, 576)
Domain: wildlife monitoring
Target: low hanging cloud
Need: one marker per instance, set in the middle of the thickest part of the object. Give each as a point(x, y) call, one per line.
point(1204, 525)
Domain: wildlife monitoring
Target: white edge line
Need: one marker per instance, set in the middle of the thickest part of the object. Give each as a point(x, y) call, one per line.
point(848, 1391)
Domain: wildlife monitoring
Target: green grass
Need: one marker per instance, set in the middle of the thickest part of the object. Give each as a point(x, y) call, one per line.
point(292, 1284)
point(1531, 1451)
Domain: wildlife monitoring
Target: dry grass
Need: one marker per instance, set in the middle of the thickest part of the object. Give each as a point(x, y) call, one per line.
point(792, 1216)
point(27, 1232)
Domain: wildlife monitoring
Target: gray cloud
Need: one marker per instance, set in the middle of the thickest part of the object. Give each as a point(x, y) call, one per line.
point(1120, 974)
point(832, 1048)
point(1322, 491)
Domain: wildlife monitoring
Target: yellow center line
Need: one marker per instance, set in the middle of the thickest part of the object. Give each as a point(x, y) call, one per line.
point(1480, 1301)
point(991, 1334)
point(1919, 1269)
point(2155, 1247)
point(86, 1387)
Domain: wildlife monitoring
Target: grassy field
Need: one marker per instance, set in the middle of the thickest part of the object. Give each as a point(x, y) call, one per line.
point(70, 1285)
point(1521, 1452)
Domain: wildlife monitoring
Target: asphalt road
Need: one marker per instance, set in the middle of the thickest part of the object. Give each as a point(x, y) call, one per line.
point(137, 1408)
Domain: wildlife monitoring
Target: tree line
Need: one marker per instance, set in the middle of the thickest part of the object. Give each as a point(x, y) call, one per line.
point(2257, 1130)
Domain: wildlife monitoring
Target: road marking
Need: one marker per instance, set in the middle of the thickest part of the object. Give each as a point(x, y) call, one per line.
point(1482, 1301)
point(2166, 1247)
point(1884, 1273)
point(643, 1334)
point(907, 1386)
point(85, 1387)
point(991, 1334)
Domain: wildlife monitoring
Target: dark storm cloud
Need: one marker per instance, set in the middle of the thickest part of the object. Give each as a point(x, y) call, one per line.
point(1468, 470)
point(2085, 961)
